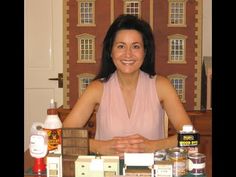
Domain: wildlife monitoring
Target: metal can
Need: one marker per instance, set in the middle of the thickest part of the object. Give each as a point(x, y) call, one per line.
point(160, 155)
point(196, 163)
point(179, 158)
point(188, 137)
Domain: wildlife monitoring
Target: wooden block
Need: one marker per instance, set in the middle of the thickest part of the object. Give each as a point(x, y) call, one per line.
point(81, 142)
point(69, 166)
point(74, 151)
point(75, 141)
point(75, 132)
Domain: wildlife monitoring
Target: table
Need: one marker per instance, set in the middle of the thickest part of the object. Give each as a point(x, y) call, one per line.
point(29, 161)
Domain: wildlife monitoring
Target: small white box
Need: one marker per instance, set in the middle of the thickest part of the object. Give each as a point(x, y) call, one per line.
point(96, 166)
point(163, 169)
point(54, 165)
point(139, 159)
point(142, 161)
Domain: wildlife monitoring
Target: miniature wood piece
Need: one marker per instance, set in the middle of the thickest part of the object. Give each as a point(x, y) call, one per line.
point(75, 142)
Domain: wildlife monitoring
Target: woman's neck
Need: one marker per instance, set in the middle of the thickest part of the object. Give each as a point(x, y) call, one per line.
point(128, 81)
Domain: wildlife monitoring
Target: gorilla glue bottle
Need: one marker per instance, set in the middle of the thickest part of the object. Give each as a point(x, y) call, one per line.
point(53, 127)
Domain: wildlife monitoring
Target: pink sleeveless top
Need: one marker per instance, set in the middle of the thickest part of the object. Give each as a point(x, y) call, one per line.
point(146, 117)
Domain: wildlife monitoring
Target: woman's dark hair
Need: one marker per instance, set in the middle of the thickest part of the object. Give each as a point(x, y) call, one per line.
point(121, 23)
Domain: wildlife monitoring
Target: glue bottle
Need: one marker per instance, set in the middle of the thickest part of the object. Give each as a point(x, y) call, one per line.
point(53, 126)
point(38, 147)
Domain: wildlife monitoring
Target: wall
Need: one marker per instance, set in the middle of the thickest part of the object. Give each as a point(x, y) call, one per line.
point(193, 32)
point(207, 28)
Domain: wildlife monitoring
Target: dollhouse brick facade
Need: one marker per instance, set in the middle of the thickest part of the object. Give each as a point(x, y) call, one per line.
point(177, 28)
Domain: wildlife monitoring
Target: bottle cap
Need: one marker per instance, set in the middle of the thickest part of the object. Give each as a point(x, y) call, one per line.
point(52, 104)
point(52, 110)
point(187, 128)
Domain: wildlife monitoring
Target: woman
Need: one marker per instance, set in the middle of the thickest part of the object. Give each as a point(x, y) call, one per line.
point(129, 97)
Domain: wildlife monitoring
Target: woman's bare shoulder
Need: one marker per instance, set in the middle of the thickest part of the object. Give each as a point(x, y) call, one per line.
point(96, 84)
point(162, 80)
point(94, 90)
point(164, 86)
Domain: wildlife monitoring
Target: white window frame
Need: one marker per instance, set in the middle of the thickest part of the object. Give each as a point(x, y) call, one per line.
point(87, 49)
point(128, 2)
point(177, 53)
point(177, 15)
point(87, 12)
point(82, 86)
point(180, 91)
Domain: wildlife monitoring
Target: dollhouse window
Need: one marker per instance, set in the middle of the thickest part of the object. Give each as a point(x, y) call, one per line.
point(86, 48)
point(177, 13)
point(177, 48)
point(83, 81)
point(178, 81)
point(132, 7)
point(86, 12)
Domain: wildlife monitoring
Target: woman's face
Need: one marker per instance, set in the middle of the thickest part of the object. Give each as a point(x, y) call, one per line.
point(128, 51)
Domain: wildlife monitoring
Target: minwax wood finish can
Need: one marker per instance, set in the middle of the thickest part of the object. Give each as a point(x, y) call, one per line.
point(189, 139)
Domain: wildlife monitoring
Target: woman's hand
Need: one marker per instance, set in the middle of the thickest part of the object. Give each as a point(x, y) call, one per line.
point(119, 145)
point(134, 143)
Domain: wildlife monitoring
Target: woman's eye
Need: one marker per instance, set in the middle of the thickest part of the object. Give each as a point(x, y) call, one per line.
point(120, 46)
point(136, 46)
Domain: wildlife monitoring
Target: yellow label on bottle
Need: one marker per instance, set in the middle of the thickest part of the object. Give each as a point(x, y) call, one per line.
point(54, 138)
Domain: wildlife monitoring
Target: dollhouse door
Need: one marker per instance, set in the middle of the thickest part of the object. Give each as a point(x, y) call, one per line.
point(43, 59)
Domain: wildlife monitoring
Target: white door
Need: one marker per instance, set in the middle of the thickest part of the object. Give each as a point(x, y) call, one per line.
point(43, 59)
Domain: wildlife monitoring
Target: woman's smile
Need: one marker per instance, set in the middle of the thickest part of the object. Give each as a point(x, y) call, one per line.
point(128, 62)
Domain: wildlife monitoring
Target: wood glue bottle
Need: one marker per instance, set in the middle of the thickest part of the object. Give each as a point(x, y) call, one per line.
point(53, 126)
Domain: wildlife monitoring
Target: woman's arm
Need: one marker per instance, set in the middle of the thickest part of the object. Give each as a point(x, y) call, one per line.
point(84, 106)
point(175, 112)
point(171, 103)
